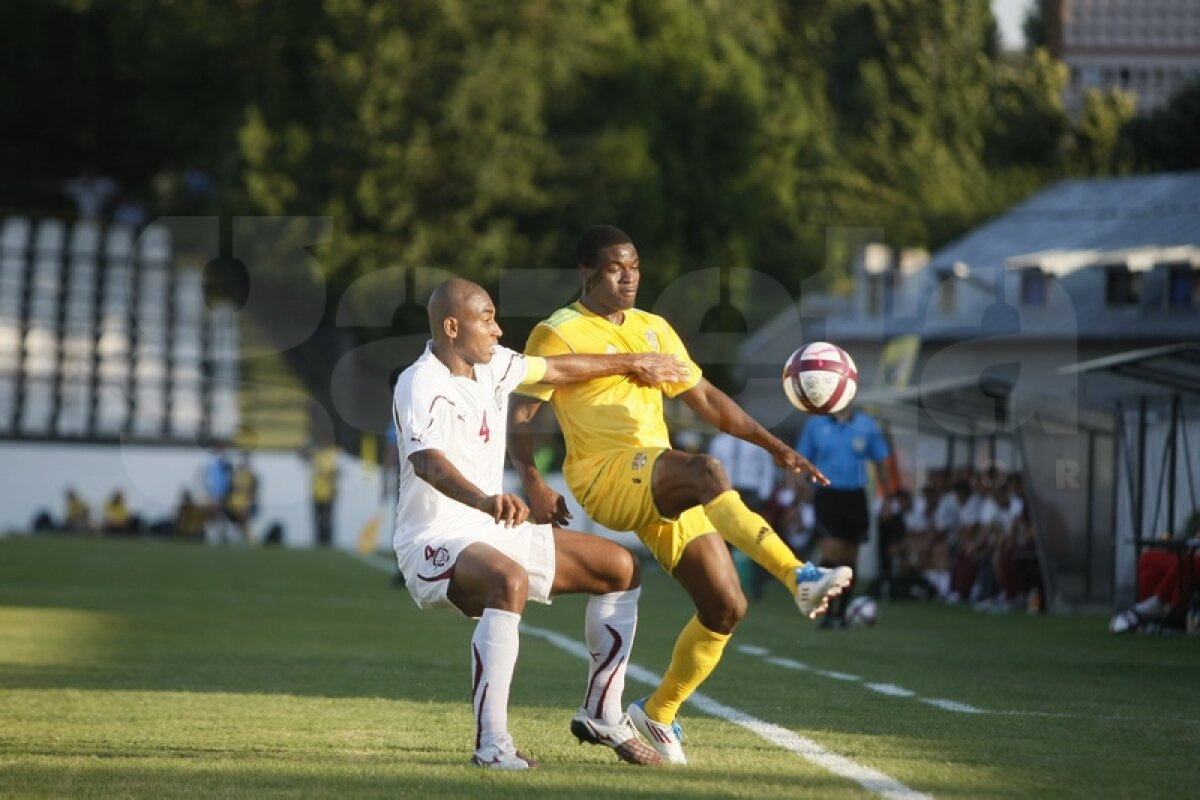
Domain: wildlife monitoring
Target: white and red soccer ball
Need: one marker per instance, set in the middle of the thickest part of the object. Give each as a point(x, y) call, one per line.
point(820, 378)
point(862, 611)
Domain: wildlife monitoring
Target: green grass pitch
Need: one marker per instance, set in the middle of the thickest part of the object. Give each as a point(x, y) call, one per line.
point(145, 669)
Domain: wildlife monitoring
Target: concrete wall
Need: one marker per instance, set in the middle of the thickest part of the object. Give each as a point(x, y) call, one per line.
point(34, 476)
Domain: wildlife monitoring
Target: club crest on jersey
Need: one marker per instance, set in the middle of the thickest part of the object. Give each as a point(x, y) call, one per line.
point(639, 461)
point(439, 557)
point(652, 340)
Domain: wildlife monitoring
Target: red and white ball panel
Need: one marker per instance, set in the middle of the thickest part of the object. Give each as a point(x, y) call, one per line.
point(820, 378)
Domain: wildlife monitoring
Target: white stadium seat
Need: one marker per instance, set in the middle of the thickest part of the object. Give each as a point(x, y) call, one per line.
point(50, 237)
point(186, 411)
point(8, 400)
point(12, 270)
point(149, 410)
point(224, 406)
point(38, 406)
point(85, 240)
point(10, 341)
point(41, 353)
point(154, 245)
point(14, 237)
point(118, 245)
point(112, 409)
point(76, 401)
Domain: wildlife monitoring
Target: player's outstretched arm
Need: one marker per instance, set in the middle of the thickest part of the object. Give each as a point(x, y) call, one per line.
point(719, 410)
point(434, 468)
point(650, 369)
point(546, 506)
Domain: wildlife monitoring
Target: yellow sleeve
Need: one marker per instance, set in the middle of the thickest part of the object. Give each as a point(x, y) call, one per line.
point(535, 370)
point(674, 345)
point(543, 341)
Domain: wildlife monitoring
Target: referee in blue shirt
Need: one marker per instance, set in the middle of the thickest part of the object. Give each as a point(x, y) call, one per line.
point(840, 445)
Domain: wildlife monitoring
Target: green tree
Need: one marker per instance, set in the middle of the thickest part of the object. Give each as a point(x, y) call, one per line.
point(1166, 138)
point(1096, 145)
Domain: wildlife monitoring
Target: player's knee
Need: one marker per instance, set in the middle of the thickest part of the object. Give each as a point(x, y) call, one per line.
point(626, 573)
point(725, 610)
point(710, 475)
point(511, 587)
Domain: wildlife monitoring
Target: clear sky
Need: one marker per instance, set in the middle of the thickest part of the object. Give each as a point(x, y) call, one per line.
point(1009, 16)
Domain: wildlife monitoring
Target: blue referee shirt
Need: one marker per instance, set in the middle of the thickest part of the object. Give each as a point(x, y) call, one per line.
point(842, 450)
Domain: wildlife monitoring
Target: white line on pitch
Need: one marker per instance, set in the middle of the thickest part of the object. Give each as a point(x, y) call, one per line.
point(870, 779)
point(787, 663)
point(882, 688)
point(951, 705)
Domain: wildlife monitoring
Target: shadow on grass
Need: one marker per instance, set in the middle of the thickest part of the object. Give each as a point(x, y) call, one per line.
point(186, 775)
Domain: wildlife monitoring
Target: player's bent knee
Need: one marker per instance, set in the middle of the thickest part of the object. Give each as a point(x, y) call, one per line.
point(626, 572)
point(710, 475)
point(724, 611)
point(510, 588)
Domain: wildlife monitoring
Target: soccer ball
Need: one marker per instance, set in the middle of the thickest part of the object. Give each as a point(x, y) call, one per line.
point(862, 611)
point(820, 378)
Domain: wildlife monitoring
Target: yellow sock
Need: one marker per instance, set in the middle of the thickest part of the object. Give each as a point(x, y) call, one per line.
point(697, 651)
point(751, 534)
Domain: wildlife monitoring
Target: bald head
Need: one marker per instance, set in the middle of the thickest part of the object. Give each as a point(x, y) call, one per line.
point(462, 320)
point(451, 298)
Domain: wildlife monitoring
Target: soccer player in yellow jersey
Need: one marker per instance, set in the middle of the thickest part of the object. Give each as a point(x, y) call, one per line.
point(622, 470)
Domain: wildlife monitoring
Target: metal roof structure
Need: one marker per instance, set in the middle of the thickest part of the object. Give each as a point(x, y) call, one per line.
point(1072, 233)
point(1171, 369)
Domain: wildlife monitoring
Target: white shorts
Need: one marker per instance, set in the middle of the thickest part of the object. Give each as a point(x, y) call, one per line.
point(427, 562)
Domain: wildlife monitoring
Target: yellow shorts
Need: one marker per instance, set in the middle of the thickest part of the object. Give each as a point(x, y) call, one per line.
point(614, 488)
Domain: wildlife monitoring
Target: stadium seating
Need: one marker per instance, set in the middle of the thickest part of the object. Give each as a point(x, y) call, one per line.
point(102, 336)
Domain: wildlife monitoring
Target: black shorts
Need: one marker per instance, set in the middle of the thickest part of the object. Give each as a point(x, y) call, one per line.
point(842, 514)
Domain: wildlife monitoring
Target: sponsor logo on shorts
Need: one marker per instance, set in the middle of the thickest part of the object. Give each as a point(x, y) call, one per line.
point(639, 461)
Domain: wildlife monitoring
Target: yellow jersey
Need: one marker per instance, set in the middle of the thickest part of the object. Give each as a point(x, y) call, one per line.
point(611, 413)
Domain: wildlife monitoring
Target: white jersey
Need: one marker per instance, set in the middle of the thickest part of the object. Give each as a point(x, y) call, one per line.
point(465, 419)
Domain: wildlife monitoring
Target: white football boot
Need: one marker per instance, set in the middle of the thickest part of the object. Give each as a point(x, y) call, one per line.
point(502, 754)
point(815, 586)
point(666, 739)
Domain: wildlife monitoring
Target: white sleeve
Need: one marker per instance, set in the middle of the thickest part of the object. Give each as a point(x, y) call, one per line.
point(509, 367)
point(421, 415)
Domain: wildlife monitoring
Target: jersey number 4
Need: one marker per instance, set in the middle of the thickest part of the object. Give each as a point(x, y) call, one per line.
point(485, 432)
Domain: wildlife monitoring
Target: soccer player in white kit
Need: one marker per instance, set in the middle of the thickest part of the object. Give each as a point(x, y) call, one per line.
point(463, 543)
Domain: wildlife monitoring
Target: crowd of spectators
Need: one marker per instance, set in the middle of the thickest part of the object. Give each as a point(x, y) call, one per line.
point(966, 537)
point(221, 512)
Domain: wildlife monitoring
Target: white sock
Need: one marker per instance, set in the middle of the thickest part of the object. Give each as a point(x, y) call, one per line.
point(608, 627)
point(494, 649)
point(1151, 607)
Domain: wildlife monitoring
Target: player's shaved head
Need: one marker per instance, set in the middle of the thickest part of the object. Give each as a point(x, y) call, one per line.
point(449, 299)
point(462, 320)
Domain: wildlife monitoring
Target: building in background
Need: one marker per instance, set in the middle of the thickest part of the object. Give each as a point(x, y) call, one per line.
point(1060, 339)
point(1148, 47)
